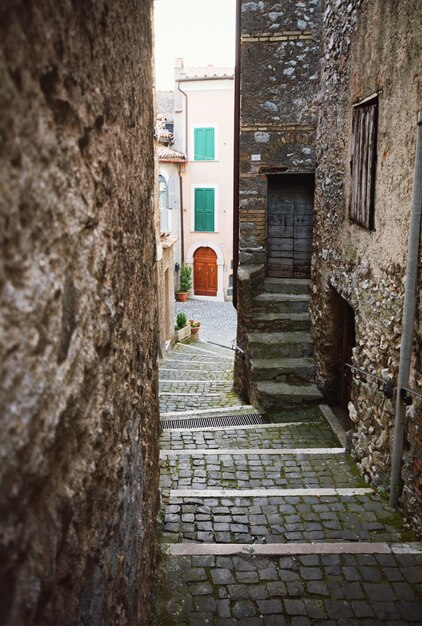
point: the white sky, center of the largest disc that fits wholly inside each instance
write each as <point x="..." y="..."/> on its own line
<point x="202" y="32"/>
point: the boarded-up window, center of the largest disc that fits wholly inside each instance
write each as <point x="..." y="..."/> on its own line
<point x="364" y="155"/>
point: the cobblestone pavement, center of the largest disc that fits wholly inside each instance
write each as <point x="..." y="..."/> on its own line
<point x="197" y="376"/>
<point x="270" y="524"/>
<point x="218" y="319"/>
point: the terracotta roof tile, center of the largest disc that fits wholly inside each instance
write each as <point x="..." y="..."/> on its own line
<point x="166" y="154"/>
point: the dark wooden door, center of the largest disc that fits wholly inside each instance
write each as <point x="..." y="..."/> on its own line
<point x="205" y="281"/>
<point x="348" y="343"/>
<point x="290" y="219"/>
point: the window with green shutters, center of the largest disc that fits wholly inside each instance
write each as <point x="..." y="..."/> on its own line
<point x="204" y="209"/>
<point x="204" y="144"/>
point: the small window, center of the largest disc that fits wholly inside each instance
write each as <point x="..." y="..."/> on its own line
<point x="205" y="209"/>
<point x="363" y="163"/>
<point x="204" y="144"/>
<point x="164" y="209"/>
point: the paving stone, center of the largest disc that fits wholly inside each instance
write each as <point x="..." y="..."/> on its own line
<point x="238" y="592"/>
<point x="257" y="592"/>
<point x="294" y="607"/>
<point x="268" y="573"/>
<point x="318" y="588"/>
<point x="203" y="561"/>
<point x="314" y="609"/>
<point x="362" y="608"/>
<point x="247" y="577"/>
<point x="276" y="589"/>
<point x="269" y="607"/>
<point x="223" y="608"/>
<point x="300" y="621"/>
<point x="244" y="608"/>
<point x="411" y="611"/>
<point x="205" y="603"/>
<point x="194" y="574"/>
<point x="222" y="576"/>
<point x="310" y="573"/>
<point x="295" y="590"/>
<point x="201" y="589"/>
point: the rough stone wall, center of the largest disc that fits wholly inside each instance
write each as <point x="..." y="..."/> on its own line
<point x="279" y="79"/>
<point x="78" y="349"/>
<point x="280" y="44"/>
<point x="166" y="300"/>
<point x="368" y="47"/>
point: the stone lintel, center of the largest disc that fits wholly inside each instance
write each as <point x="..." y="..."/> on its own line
<point x="281" y="127"/>
<point x="288" y="35"/>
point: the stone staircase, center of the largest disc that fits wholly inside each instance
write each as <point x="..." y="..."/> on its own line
<point x="280" y="350"/>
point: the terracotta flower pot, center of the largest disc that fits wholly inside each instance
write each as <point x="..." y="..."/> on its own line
<point x="182" y="296"/>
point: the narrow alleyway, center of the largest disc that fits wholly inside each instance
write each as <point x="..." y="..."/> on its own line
<point x="269" y="524"/>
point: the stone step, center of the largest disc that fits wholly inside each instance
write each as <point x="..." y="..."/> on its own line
<point x="280" y="345"/>
<point x="282" y="519"/>
<point x="283" y="370"/>
<point x="316" y="434"/>
<point x="310" y="586"/>
<point x="171" y="373"/>
<point x="280" y="322"/>
<point x="273" y="302"/>
<point x="272" y="396"/>
<point x="287" y="285"/>
<point x="241" y="470"/>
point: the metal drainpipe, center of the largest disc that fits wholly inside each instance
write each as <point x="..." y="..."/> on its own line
<point x="409" y="311"/>
<point x="182" y="232"/>
<point x="236" y="147"/>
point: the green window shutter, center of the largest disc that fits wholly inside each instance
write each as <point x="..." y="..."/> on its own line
<point x="204" y="210"/>
<point x="204" y="149"/>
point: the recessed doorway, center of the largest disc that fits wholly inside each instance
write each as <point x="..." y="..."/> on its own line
<point x="205" y="275"/>
<point x="290" y="218"/>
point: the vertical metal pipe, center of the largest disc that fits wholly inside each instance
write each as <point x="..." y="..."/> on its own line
<point x="236" y="148"/>
<point x="409" y="311"/>
<point x="182" y="226"/>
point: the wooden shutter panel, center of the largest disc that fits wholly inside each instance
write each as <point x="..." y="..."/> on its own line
<point x="209" y="210"/>
<point x="172" y="192"/>
<point x="209" y="143"/>
<point x="204" y="149"/>
<point x="204" y="210"/>
<point x="364" y="135"/>
<point x="199" y="209"/>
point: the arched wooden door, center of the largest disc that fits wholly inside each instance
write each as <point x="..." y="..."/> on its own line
<point x="205" y="281"/>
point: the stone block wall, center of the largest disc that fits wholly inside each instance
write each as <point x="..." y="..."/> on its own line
<point x="278" y="85"/>
<point x="78" y="349"/>
<point x="279" y="77"/>
<point x="369" y="47"/>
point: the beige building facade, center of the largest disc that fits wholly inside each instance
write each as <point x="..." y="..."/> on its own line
<point x="203" y="130"/>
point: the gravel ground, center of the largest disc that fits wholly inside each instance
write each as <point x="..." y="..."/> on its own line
<point x="218" y="319"/>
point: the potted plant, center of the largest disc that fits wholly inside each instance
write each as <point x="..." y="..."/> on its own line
<point x="182" y="328"/>
<point x="185" y="283"/>
<point x="194" y="327"/>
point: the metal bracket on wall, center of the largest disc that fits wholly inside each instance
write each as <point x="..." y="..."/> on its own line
<point x="406" y="394"/>
<point x="387" y="388"/>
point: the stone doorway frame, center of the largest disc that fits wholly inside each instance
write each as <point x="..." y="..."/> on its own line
<point x="220" y="268"/>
